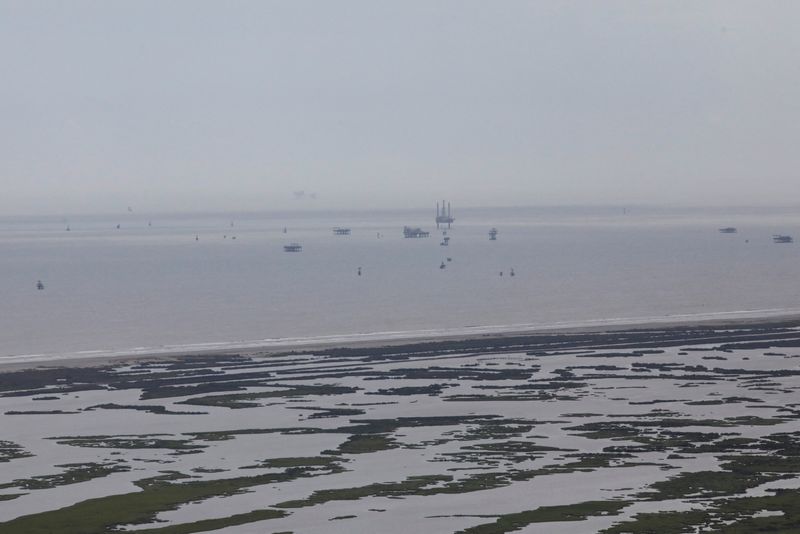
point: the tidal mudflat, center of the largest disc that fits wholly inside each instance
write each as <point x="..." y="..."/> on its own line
<point x="662" y="429"/>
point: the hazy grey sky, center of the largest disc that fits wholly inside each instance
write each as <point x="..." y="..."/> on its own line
<point x="200" y="105"/>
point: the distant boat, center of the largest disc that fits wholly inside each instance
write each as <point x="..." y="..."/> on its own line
<point x="778" y="238"/>
<point x="445" y="241"/>
<point x="293" y="247"/>
<point x="409" y="232"/>
<point x="442" y="266"/>
<point x="39" y="285"/>
<point x="338" y="230"/>
<point x="728" y="230"/>
<point x="493" y="234"/>
<point x="511" y="273"/>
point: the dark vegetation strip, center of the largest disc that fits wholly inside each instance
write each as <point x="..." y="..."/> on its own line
<point x="101" y="515"/>
<point x="177" y="377"/>
<point x="546" y="514"/>
<point x="207" y="525"/>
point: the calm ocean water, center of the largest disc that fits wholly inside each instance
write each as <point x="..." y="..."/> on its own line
<point x="153" y="287"/>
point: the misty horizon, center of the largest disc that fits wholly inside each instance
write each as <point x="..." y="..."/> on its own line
<point x="191" y="107"/>
<point x="311" y="211"/>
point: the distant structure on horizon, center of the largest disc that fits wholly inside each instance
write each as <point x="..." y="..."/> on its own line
<point x="412" y="233"/>
<point x="443" y="217"/>
<point x="779" y="238"/>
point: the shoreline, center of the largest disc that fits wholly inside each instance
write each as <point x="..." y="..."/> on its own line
<point x="493" y="335"/>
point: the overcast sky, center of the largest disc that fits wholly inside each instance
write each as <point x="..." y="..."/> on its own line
<point x="200" y="105"/>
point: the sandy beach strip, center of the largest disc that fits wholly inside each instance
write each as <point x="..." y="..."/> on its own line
<point x="484" y="338"/>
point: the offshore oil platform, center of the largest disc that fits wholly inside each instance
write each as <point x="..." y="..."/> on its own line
<point x="444" y="217"/>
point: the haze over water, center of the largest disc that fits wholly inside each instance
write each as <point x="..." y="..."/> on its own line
<point x="146" y="287"/>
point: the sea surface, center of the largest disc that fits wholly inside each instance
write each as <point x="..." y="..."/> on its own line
<point x="182" y="282"/>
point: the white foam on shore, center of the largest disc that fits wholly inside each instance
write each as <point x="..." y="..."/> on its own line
<point x="287" y="343"/>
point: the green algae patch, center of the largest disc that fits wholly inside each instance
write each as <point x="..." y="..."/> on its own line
<point x="744" y="515"/>
<point x="754" y="465"/>
<point x="250" y="400"/>
<point x="366" y="443"/>
<point x="178" y="446"/>
<point x="546" y="514"/>
<point x="410" y="486"/>
<point x="12" y="451"/>
<point x="72" y="474"/>
<point x="207" y="525"/>
<point x="298" y="461"/>
<point x="671" y="522"/>
<point x="706" y="484"/>
<point x="159" y="494"/>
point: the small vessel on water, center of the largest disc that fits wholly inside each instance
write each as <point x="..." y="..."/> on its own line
<point x="412" y="233"/>
<point x="445" y="241"/>
<point x="778" y="238"/>
<point x="493" y="234"/>
<point x="338" y="230"/>
<point x="293" y="247"/>
<point x="511" y="273"/>
<point x="39" y="285"/>
<point x="442" y="266"/>
<point x="728" y="230"/>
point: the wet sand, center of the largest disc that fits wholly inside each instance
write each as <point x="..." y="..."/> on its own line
<point x="444" y="342"/>
<point x="648" y="428"/>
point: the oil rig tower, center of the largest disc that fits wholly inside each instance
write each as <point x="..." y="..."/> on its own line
<point x="443" y="217"/>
